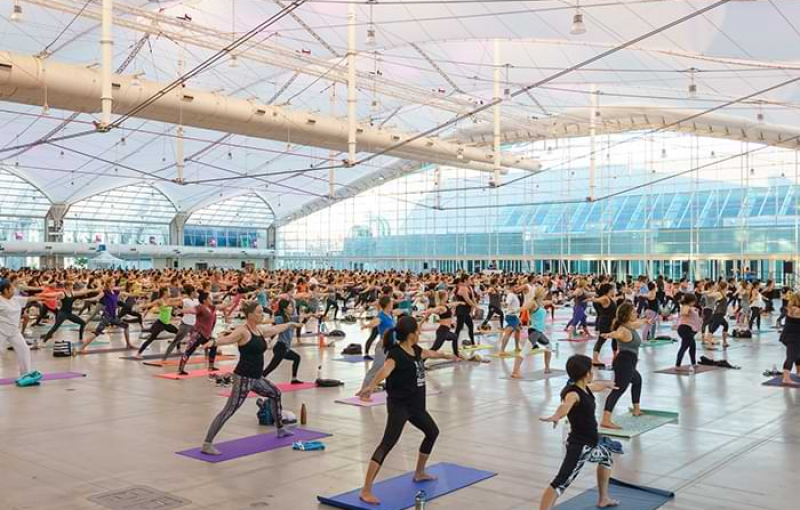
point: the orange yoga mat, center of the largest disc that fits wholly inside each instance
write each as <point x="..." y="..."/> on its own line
<point x="195" y="374"/>
<point x="196" y="360"/>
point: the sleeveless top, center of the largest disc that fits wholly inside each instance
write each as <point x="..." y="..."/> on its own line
<point x="66" y="303"/>
<point x="582" y="419"/>
<point x="633" y="345"/>
<point x="447" y="314"/>
<point x="605" y="316"/>
<point x="463" y="309"/>
<point x="251" y="357"/>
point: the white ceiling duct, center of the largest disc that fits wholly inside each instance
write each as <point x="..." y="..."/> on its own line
<point x="76" y="88"/>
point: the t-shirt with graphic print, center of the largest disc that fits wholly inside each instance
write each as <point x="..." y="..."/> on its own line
<point x="406" y="384"/>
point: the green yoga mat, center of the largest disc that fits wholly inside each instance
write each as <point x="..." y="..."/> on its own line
<point x="633" y="426"/>
<point x="658" y="343"/>
<point x="718" y="347"/>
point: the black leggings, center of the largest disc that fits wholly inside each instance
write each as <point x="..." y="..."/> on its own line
<point x="124" y="312"/>
<point x="44" y="310"/>
<point x="604" y="326"/>
<point x="625" y="374"/>
<point x="687" y="343"/>
<point x="195" y="341"/>
<point x="755" y="316"/>
<point x="717" y="320"/>
<point x="492" y="311"/>
<point x="443" y="334"/>
<point x="372" y="336"/>
<point x="461" y="320"/>
<point x="279" y="353"/>
<point x="792" y="354"/>
<point x="156" y="329"/>
<point x="328" y="306"/>
<point x="399" y="414"/>
<point x="61" y="317"/>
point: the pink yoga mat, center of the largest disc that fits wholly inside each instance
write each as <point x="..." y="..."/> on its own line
<point x="284" y="387"/>
<point x="378" y="399"/>
<point x="47" y="377"/>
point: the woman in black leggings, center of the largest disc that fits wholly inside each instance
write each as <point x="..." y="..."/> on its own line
<point x="283" y="347"/>
<point x="404" y="372"/>
<point x="66" y="311"/>
<point x="605" y="307"/>
<point x="790" y="337"/>
<point x="689" y="324"/>
<point x="445" y="313"/>
<point x="625" y="374"/>
<point x="464" y="310"/>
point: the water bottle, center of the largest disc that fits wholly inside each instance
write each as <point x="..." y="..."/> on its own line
<point x="419" y="501"/>
<point x="303" y="414"/>
<point x="557" y="344"/>
<point x="319" y="372"/>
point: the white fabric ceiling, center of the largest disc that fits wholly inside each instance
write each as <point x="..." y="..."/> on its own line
<point x="736" y="49"/>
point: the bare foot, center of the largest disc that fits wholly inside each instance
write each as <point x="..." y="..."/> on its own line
<point x="787" y="381"/>
<point x="515" y="375"/>
<point x="369" y="498"/>
<point x="547" y="370"/>
<point x="610" y="425"/>
<point x="607" y="502"/>
<point x="424" y="477"/>
<point x="636" y="413"/>
<point x="365" y="398"/>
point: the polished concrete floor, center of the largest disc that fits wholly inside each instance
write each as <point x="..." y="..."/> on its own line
<point x="736" y="446"/>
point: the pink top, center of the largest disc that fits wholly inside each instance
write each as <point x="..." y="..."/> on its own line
<point x="693" y="320"/>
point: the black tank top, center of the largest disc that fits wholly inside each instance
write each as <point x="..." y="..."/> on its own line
<point x="605" y="316"/>
<point x="463" y="309"/>
<point x="582" y="420"/>
<point x="251" y="357"/>
<point x="652" y="304"/>
<point x="66" y="303"/>
<point x="447" y="314"/>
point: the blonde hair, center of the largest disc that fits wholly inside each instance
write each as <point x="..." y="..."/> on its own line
<point x="793" y="298"/>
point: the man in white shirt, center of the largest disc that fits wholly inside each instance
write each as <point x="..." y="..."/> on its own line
<point x="10" y="314"/>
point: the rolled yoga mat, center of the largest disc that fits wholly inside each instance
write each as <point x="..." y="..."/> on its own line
<point x="399" y="492"/>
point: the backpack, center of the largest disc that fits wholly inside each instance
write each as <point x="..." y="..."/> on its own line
<point x="328" y="383"/>
<point x="264" y="414"/>
<point x="62" y="349"/>
<point x="352" y="349"/>
<point x="337" y="333"/>
<point x="30" y="379"/>
<point x="742" y="333"/>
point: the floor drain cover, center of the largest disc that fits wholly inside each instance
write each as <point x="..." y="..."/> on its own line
<point x="139" y="498"/>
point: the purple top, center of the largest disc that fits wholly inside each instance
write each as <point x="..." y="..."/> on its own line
<point x="110" y="301"/>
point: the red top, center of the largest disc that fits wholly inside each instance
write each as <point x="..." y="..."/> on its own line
<point x="206" y="320"/>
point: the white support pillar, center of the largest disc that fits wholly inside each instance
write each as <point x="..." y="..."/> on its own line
<point x="352" y="100"/>
<point x="437" y="182"/>
<point x="593" y="114"/>
<point x="332" y="153"/>
<point x="107" y="47"/>
<point x="176" y="228"/>
<point x="497" y="98"/>
<point x="179" y="160"/>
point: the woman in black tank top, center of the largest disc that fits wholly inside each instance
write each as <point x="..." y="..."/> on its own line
<point x="66" y="312"/>
<point x="606" y="307"/>
<point x="251" y="339"/>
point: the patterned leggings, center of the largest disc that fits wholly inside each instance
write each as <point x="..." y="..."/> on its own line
<point x="242" y="386"/>
<point x="576" y="457"/>
<point x="195" y="341"/>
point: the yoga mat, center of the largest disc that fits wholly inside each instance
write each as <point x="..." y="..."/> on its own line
<point x="539" y="375"/>
<point x="195" y="360"/>
<point x="147" y="357"/>
<point x="482" y="347"/>
<point x="718" y="347"/>
<point x="776" y="381"/>
<point x="630" y="497"/>
<point x="511" y="355"/>
<point x="399" y="492"/>
<point x="658" y="343"/>
<point x="55" y="376"/>
<point x="105" y="350"/>
<point x="352" y="358"/>
<point x="284" y="387"/>
<point x="254" y="444"/>
<point x="194" y="374"/>
<point x="698" y="369"/>
<point x="378" y="399"/>
<point x="576" y="339"/>
<point x="633" y="426"/>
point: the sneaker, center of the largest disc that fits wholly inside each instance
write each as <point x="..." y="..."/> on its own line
<point x="297" y="381"/>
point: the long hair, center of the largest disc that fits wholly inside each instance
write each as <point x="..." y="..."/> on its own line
<point x="405" y="327"/>
<point x="283" y="304"/>
<point x="624" y="314"/>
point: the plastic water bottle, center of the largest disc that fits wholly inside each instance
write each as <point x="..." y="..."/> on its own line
<point x="419" y="501"/>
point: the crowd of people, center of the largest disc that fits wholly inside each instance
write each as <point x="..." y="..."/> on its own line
<point x="258" y="309"/>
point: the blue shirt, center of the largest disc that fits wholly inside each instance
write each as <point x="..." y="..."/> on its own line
<point x="539" y="319"/>
<point x="287" y="336"/>
<point x="385" y="323"/>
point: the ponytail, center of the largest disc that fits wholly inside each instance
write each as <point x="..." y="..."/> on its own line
<point x="405" y="327"/>
<point x="389" y="338"/>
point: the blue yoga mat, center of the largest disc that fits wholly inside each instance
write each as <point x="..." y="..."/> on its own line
<point x="778" y="381"/>
<point x="351" y="358"/>
<point x="630" y="497"/>
<point x="399" y="492"/>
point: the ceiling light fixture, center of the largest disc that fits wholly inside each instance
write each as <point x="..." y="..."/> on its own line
<point x="372" y="31"/>
<point x="578" y="27"/>
<point x="16" y="12"/>
<point x="692" y="84"/>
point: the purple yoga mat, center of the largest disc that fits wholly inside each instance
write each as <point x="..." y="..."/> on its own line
<point x="46" y="377"/>
<point x="254" y="444"/>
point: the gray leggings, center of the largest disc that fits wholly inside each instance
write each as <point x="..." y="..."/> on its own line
<point x="183" y="330"/>
<point x="242" y="386"/>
